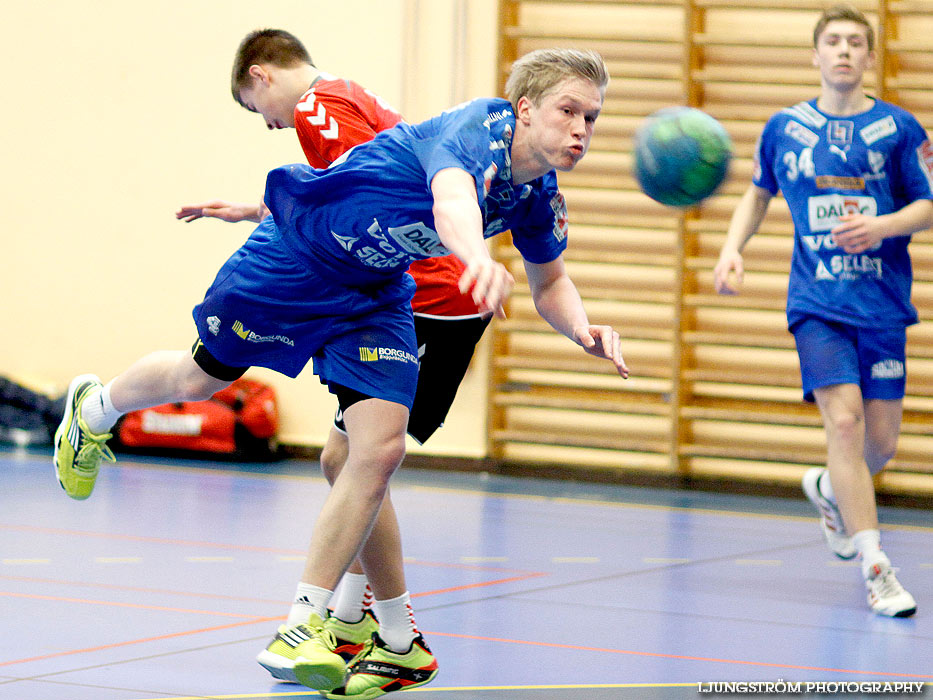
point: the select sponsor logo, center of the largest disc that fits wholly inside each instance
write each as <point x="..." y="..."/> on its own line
<point x="370" y="354"/>
<point x="213" y="324"/>
<point x="251" y="337"/>
<point x="824" y="211"/>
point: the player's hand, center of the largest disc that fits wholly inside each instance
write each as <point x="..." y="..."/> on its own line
<point x="729" y="261"/>
<point x="602" y="341"/>
<point x="857" y="233"/>
<point x="219" y="209"/>
<point x="490" y="282"/>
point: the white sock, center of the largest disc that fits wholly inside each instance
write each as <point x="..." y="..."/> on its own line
<point x="353" y="598"/>
<point x="308" y="600"/>
<point x="98" y="412"/>
<point x="868" y="544"/>
<point x="396" y="622"/>
<point x="825" y="486"/>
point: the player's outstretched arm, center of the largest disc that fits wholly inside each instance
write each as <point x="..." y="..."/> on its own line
<point x="558" y="301"/>
<point x="744" y="224"/>
<point x="459" y="225"/>
<point x="221" y="209"/>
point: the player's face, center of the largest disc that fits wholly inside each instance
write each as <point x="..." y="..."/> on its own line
<point x="842" y="54"/>
<point x="561" y="126"/>
<point x="268" y="99"/>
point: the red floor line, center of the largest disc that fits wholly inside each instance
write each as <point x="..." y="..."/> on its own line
<point x="115" y="604"/>
<point x="130" y="642"/>
<point x="140" y="589"/>
<point x="481" y="584"/>
<point x="627" y="652"/>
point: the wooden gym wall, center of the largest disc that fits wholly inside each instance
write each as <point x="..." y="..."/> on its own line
<point x="715" y="390"/>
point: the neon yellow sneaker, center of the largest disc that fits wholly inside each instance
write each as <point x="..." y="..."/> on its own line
<point x="377" y="670"/>
<point x="352" y="636"/>
<point x="314" y="646"/>
<point x="316" y="663"/>
<point x="78" y="451"/>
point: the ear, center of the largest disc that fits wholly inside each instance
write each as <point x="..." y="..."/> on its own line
<point x="815" y="58"/>
<point x="523" y="110"/>
<point x="259" y="73"/>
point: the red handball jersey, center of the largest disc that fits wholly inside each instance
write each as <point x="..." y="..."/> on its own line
<point x="332" y="117"/>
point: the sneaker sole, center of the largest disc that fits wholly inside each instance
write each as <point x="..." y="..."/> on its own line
<point x="900" y="613"/>
<point x="271" y="662"/>
<point x="371" y="693"/>
<point x="67" y="418"/>
<point x="319" y="677"/>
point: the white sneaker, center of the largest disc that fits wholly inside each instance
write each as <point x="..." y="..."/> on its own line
<point x="886" y="596"/>
<point x="834" y="530"/>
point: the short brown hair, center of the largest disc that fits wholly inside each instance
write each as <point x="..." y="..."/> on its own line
<point x="844" y="12"/>
<point x="537" y="73"/>
<point x="271" y="46"/>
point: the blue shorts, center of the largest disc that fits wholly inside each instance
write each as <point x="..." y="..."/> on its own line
<point x="267" y="309"/>
<point x="837" y="353"/>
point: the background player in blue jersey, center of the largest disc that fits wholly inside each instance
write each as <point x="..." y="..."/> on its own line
<point x="857" y="174"/>
<point x="324" y="279"/>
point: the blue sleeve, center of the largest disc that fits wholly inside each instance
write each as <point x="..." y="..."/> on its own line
<point x="914" y="163"/>
<point x="460" y="140"/>
<point x="542" y="235"/>
<point x="763" y="174"/>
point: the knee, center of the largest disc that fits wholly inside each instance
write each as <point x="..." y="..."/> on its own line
<point x="332" y="461"/>
<point x="383" y="460"/>
<point x="845" y="425"/>
<point x="198" y="386"/>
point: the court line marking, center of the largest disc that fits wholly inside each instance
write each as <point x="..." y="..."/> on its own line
<point x="254" y="619"/>
<point x="647" y="506"/>
<point x="450" y="489"/>
<point x="225" y="545"/>
<point x="117" y="604"/>
<point x="679" y="657"/>
<point x="116" y="645"/>
<point x="452" y="689"/>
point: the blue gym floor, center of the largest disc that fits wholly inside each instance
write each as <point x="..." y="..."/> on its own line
<point x="170" y="579"/>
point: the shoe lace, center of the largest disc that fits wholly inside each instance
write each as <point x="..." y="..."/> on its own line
<point x="886" y="585"/>
<point x="93" y="449"/>
<point x="367" y="649"/>
<point x="323" y="635"/>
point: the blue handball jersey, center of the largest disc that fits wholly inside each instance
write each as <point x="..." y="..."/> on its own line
<point x="368" y="215"/>
<point x="875" y="163"/>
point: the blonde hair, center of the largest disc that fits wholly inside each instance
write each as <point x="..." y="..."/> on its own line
<point x="537" y="73"/>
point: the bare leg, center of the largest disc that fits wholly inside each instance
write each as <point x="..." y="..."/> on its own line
<point x="383" y="549"/>
<point x="376" y="431"/>
<point x="163" y="377"/>
<point x="882" y="428"/>
<point x="844" y="420"/>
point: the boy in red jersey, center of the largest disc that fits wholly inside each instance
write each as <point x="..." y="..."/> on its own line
<point x="274" y="76"/>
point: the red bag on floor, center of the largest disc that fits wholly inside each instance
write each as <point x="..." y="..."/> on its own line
<point x="240" y="422"/>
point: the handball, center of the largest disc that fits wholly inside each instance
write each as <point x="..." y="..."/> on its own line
<point x="681" y="156"/>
